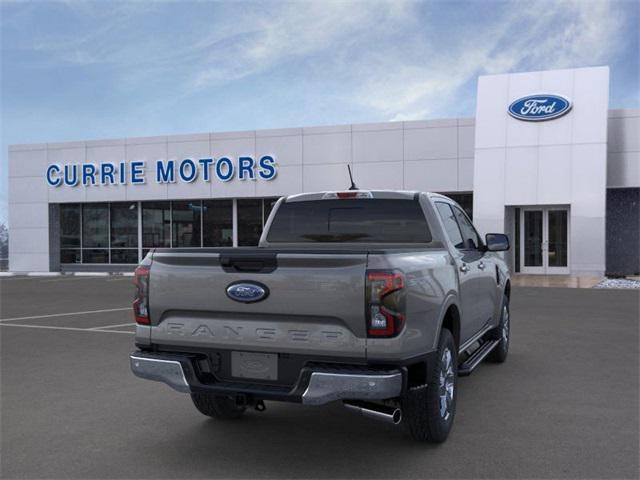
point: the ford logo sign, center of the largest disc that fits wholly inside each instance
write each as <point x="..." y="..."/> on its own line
<point x="536" y="108"/>
<point x="247" y="292"/>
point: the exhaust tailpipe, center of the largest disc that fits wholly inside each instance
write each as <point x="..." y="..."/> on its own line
<point x="379" y="412"/>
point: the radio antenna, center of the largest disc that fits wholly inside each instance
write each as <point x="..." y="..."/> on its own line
<point x="353" y="185"/>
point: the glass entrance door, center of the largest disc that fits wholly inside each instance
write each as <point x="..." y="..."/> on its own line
<point x="532" y="251"/>
<point x="544" y="242"/>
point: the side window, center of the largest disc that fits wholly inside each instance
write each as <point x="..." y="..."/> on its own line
<point x="450" y="224"/>
<point x="469" y="235"/>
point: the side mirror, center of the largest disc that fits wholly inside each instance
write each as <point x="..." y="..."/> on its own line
<point x="496" y="242"/>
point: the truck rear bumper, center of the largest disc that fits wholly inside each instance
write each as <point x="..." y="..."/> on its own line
<point x="326" y="387"/>
<point x="161" y="370"/>
<point x="315" y="386"/>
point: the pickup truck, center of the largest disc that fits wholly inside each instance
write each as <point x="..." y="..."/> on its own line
<point x="378" y="299"/>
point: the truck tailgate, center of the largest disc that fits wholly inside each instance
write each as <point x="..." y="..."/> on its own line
<point x="315" y="301"/>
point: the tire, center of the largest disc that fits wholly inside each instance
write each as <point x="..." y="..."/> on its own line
<point x="216" y="406"/>
<point x="503" y="332"/>
<point x="422" y="414"/>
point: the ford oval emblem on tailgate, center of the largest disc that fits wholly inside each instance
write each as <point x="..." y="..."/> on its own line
<point x="247" y="292"/>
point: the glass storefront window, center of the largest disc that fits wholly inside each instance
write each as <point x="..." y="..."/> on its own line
<point x="95" y="255"/>
<point x="217" y="223"/>
<point x="156" y="224"/>
<point x="124" y="225"/>
<point x="186" y="223"/>
<point x="95" y="225"/>
<point x="126" y="255"/>
<point x="108" y="232"/>
<point x="70" y="255"/>
<point x="249" y="221"/>
<point x="69" y="226"/>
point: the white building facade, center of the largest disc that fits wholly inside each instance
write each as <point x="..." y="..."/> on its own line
<point x="544" y="160"/>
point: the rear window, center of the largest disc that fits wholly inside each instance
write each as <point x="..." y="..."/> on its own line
<point x="353" y="220"/>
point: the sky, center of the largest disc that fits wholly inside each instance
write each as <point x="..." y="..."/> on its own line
<point x="74" y="70"/>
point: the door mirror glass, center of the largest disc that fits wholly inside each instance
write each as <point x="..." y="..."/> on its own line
<point x="497" y="242"/>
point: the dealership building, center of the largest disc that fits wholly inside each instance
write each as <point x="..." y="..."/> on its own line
<point x="544" y="160"/>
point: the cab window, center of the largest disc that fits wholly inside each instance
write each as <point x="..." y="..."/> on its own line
<point x="450" y="224"/>
<point x="470" y="237"/>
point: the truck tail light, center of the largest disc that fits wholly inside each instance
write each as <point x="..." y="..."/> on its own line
<point x="385" y="307"/>
<point x="141" y="299"/>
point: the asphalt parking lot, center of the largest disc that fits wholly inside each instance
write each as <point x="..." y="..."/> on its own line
<point x="564" y="405"/>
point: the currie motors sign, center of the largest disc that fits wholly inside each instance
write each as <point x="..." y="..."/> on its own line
<point x="137" y="172"/>
<point x="536" y="108"/>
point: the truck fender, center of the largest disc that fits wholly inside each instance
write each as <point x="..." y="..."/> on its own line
<point x="450" y="299"/>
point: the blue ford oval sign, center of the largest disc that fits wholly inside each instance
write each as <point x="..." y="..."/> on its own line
<point x="536" y="108"/>
<point x="247" y="292"/>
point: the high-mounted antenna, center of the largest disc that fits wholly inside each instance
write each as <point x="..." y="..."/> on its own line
<point x="353" y="185"/>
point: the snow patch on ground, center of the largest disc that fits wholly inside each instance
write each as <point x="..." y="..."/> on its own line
<point x="618" y="283"/>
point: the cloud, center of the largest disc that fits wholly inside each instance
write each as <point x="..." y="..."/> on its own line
<point x="538" y="36"/>
<point x="290" y="31"/>
<point x="393" y="58"/>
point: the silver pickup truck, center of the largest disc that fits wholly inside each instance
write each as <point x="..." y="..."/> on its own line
<point x="378" y="299"/>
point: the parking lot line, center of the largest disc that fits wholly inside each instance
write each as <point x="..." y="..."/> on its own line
<point x="113" y="326"/>
<point x="88" y="312"/>
<point x="74" y="329"/>
<point x="70" y="279"/>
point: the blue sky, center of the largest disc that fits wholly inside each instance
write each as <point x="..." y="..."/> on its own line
<point x="83" y="70"/>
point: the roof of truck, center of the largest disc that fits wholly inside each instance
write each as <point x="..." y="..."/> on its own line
<point x="389" y="194"/>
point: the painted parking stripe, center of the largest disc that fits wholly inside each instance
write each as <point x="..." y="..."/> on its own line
<point x="113" y="326"/>
<point x="88" y="312"/>
<point x="70" y="279"/>
<point x="73" y="329"/>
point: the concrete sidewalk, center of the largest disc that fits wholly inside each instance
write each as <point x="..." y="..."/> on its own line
<point x="556" y="281"/>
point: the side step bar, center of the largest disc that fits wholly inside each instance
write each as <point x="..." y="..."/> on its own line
<point x="476" y="357"/>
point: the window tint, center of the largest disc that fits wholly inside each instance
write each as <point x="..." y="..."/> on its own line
<point x="249" y="222"/>
<point x="469" y="235"/>
<point x="95" y="225"/>
<point x="124" y="225"/>
<point x="450" y="224"/>
<point x="156" y="224"/>
<point x="217" y="223"/>
<point x="94" y="255"/>
<point x="185" y="217"/>
<point x="352" y="220"/>
<point x="70" y="226"/>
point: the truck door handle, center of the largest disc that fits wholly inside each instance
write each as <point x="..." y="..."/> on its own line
<point x="464" y="268"/>
<point x="482" y="266"/>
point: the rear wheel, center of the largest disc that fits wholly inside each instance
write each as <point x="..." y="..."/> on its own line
<point x="217" y="406"/>
<point x="428" y="412"/>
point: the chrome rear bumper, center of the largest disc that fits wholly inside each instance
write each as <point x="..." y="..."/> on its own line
<point x="321" y="386"/>
<point x="326" y="387"/>
<point x="160" y="370"/>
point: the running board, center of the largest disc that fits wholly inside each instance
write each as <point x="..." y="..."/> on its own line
<point x="474" y="360"/>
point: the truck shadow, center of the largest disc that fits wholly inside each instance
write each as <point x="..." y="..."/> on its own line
<point x="294" y="441"/>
